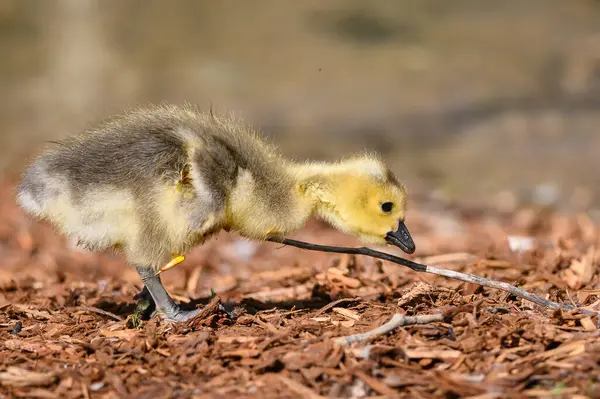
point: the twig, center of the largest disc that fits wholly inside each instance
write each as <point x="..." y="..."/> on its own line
<point x="398" y="320"/>
<point x="334" y="304"/>
<point x="417" y="267"/>
<point x="99" y="311"/>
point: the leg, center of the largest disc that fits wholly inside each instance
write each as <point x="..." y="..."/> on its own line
<point x="164" y="303"/>
<point x="144" y="294"/>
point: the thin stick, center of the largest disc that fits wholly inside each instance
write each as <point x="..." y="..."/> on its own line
<point x="417" y="267"/>
<point x="398" y="320"/>
<point x="99" y="311"/>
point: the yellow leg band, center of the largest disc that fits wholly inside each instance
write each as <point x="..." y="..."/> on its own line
<point x="174" y="262"/>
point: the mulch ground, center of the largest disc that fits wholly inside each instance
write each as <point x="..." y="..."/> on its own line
<point x="70" y="328"/>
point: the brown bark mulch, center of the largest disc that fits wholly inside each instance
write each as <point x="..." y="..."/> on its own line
<point x="70" y="328"/>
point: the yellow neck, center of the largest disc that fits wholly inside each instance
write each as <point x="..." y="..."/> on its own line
<point x="259" y="212"/>
<point x="303" y="190"/>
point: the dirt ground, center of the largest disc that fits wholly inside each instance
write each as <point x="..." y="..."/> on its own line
<point x="69" y="327"/>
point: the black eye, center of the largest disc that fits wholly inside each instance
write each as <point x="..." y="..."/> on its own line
<point x="387" y="206"/>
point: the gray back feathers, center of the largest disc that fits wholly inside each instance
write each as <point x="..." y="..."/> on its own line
<point x="105" y="185"/>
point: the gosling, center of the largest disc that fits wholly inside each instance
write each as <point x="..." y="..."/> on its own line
<point x="156" y="181"/>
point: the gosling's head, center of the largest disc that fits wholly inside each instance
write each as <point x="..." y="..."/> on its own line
<point x="362" y="197"/>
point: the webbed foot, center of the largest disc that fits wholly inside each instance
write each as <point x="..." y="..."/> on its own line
<point x="165" y="305"/>
<point x="180" y="315"/>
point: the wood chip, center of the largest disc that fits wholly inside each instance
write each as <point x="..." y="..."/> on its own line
<point x="18" y="377"/>
<point x="309" y="339"/>
<point x="463" y="257"/>
<point x="561" y="365"/>
<point x="343" y="323"/>
<point x="192" y="283"/>
<point x="242" y="353"/>
<point x="542" y="393"/>
<point x="180" y="298"/>
<point x="582" y="269"/>
<point x="334" y="304"/>
<point x="239" y="339"/>
<point x="85" y="392"/>
<point x="121" y="334"/>
<point x="32" y="313"/>
<point x="299" y="389"/>
<point x="588" y="324"/>
<point x="375" y="384"/>
<point x="163" y="352"/>
<point x="267" y="326"/>
<point x="282" y="293"/>
<point x="336" y="271"/>
<point x="565" y="350"/>
<point x="118" y="384"/>
<point x="351" y="314"/>
<point x="40" y="348"/>
<point x="346" y="281"/>
<point x="432" y="354"/>
<point x="281" y="274"/>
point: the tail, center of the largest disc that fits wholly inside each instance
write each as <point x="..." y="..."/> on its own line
<point x="28" y="202"/>
<point x="31" y="191"/>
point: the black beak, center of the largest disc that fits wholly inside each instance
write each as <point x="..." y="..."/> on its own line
<point x="401" y="238"/>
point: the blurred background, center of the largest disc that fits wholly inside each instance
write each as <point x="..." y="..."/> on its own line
<point x="489" y="102"/>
